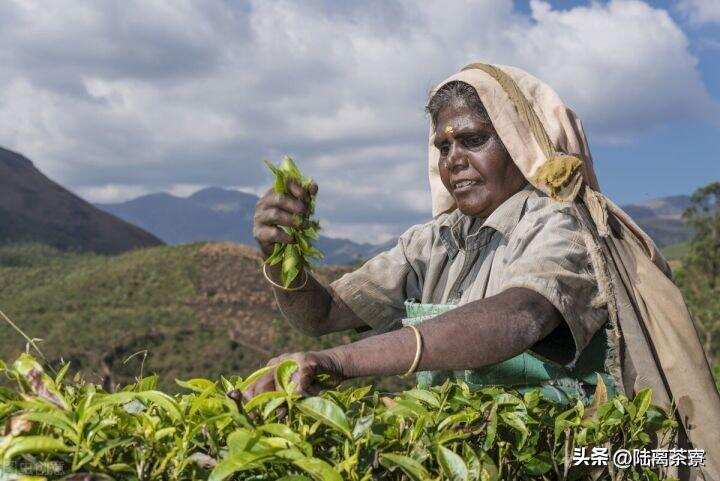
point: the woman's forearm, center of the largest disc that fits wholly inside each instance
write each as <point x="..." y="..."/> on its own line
<point x="312" y="309"/>
<point x="473" y="335"/>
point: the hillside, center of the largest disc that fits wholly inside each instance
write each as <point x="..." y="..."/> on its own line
<point x="198" y="310"/>
<point x="662" y="218"/>
<point x="33" y="208"/>
<point x="216" y="214"/>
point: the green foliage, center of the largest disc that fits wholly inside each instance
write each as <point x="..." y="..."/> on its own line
<point x="448" y="432"/>
<point x="93" y="309"/>
<point x="179" y="311"/>
<point x="294" y="257"/>
<point x="699" y="275"/>
<point x="676" y="252"/>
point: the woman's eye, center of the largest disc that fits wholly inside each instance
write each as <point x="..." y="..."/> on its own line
<point x="476" y="140"/>
<point x="444" y="150"/>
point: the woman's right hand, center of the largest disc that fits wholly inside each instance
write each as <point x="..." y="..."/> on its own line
<point x="275" y="210"/>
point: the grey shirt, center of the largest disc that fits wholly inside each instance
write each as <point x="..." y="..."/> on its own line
<point x="529" y="241"/>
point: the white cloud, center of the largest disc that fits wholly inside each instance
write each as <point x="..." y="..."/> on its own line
<point x="185" y="190"/>
<point x="361" y="232"/>
<point x="624" y="66"/>
<point x="111" y="193"/>
<point x="701" y="11"/>
<point x="145" y="95"/>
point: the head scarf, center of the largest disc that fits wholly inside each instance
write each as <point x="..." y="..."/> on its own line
<point x="547" y="143"/>
<point x="543" y="136"/>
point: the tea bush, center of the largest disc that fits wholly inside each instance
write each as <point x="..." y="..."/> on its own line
<point x="55" y="427"/>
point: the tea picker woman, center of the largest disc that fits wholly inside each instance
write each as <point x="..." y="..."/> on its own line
<point x="527" y="276"/>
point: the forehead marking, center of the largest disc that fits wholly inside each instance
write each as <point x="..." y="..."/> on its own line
<point x="448" y="129"/>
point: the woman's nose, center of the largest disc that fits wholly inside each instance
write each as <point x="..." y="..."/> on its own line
<point x="457" y="158"/>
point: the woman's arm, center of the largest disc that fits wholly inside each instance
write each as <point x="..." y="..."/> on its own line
<point x="312" y="309"/>
<point x="470" y="336"/>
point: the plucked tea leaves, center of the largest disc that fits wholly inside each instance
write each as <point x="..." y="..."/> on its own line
<point x="297" y="256"/>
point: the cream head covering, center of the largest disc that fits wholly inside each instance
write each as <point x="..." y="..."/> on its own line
<point x="546" y="141"/>
<point x="542" y="135"/>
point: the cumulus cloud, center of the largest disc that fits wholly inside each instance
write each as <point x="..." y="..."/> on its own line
<point x="116" y="98"/>
<point x="701" y="11"/>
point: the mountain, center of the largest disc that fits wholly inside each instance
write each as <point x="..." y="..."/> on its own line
<point x="216" y="214"/>
<point x="200" y="217"/>
<point x="662" y="218"/>
<point x="33" y="208"/>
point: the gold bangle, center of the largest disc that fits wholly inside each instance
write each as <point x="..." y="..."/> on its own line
<point x="416" y="361"/>
<point x="275" y="284"/>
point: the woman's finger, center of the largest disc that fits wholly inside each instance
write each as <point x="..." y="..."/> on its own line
<point x="268" y="234"/>
<point x="286" y="203"/>
<point x="302" y="193"/>
<point x="305" y="379"/>
<point x="297" y="190"/>
<point x="281" y="413"/>
<point x="247" y="394"/>
<point x="236" y="396"/>
<point x="264" y="384"/>
<point x="313" y="389"/>
<point x="277" y="217"/>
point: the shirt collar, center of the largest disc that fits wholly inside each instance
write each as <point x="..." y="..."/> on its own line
<point x="462" y="231"/>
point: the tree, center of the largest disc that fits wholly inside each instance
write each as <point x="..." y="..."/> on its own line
<point x="699" y="277"/>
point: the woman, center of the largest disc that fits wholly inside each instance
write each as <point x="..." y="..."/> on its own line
<point x="526" y="277"/>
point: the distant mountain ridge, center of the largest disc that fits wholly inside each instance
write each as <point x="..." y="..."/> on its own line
<point x="662" y="218"/>
<point x="209" y="214"/>
<point x="217" y="214"/>
<point x="33" y="208"/>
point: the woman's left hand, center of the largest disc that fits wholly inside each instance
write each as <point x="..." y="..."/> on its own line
<point x="310" y="365"/>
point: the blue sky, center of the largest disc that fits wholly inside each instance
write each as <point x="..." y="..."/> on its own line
<point x="122" y="98"/>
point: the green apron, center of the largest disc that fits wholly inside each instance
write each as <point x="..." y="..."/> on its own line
<point x="525" y="371"/>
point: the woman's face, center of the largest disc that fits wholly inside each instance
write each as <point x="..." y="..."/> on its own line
<point x="474" y="164"/>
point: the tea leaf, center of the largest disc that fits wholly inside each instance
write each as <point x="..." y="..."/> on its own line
<point x="642" y="402"/>
<point x="327" y="412"/>
<point x="409" y="466"/>
<point x="452" y="465"/>
<point x="283" y="374"/>
<point x="32" y="444"/>
<point x="318" y="469"/>
<point x="262" y="398"/>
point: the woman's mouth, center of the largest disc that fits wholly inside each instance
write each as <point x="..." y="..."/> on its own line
<point x="464" y="185"/>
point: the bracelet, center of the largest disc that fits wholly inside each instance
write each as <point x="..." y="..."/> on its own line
<point x="275" y="284"/>
<point x="416" y="361"/>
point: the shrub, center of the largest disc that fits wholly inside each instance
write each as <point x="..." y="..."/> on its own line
<point x="447" y="432"/>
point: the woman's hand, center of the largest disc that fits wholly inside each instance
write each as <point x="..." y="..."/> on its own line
<point x="275" y="210"/>
<point x="310" y="365"/>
